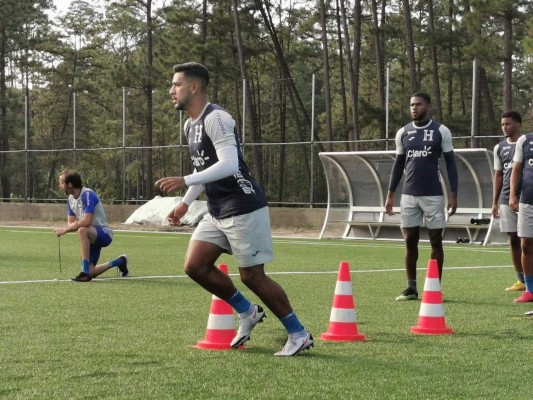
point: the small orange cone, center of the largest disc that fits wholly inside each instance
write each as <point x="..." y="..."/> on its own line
<point x="342" y="320"/>
<point x="431" y="318"/>
<point x="220" y="325"/>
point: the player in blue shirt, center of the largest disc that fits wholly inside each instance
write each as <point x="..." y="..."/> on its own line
<point x="522" y="202"/>
<point x="503" y="163"/>
<point x="419" y="146"/>
<point x="87" y="217"/>
<point x="238" y="220"/>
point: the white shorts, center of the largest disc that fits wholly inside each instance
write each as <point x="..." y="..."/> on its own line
<point x="246" y="236"/>
<point x="508" y="219"/>
<point x="525" y="220"/>
<point x="416" y="209"/>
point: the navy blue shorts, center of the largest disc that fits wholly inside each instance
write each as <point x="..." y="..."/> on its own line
<point x="103" y="239"/>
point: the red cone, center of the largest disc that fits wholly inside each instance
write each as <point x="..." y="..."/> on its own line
<point x="220" y="325"/>
<point x="342" y="320"/>
<point x="431" y="318"/>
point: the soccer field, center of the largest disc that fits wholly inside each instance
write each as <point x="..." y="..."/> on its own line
<point x="132" y="338"/>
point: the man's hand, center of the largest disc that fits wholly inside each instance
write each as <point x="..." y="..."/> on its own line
<point x="175" y="216"/>
<point x="171" y="183"/>
<point x="389" y="203"/>
<point x="60" y="231"/>
<point x="495" y="211"/>
<point x="513" y="202"/>
<point x="452" y="204"/>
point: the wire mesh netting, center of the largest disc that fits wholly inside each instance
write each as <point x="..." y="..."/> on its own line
<point x="290" y="173"/>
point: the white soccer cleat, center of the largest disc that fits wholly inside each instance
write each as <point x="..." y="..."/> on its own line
<point x="296" y="345"/>
<point x="246" y="325"/>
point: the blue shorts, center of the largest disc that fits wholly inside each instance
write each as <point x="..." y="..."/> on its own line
<point x="103" y="239"/>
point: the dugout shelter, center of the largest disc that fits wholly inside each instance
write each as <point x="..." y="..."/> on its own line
<point x="357" y="189"/>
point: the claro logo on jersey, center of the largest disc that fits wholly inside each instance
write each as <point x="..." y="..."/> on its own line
<point x="419" y="153"/>
<point x="244" y="184"/>
<point x="530" y="162"/>
<point x="199" y="159"/>
<point x="507" y="165"/>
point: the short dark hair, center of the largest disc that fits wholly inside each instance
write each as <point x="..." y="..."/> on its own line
<point x="194" y="70"/>
<point x="513" y="115"/>
<point x="73" y="178"/>
<point x="425" y="96"/>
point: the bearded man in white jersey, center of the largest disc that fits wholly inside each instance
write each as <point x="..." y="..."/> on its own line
<point x="86" y="217"/>
<point x="419" y="146"/>
<point x="237" y="221"/>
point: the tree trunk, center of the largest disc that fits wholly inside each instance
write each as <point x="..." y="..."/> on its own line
<point x="353" y="64"/>
<point x="203" y="30"/>
<point x="149" y="176"/>
<point x="434" y="62"/>
<point x="282" y="173"/>
<point x="380" y="70"/>
<point x="326" y="71"/>
<point x="250" y="109"/>
<point x="5" y="189"/>
<point x="487" y="102"/>
<point x="449" y="60"/>
<point x="303" y="126"/>
<point x="342" y="82"/>
<point x="410" y="46"/>
<point x="507" y="61"/>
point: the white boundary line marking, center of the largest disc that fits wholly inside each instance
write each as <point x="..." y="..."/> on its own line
<point x="289" y="240"/>
<point x="155" y="277"/>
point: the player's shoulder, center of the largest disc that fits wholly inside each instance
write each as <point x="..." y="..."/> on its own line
<point x="522" y="139"/>
<point x="215" y="111"/>
<point x="88" y="193"/>
<point x="443" y="129"/>
<point x="527" y="136"/>
<point x="403" y="130"/>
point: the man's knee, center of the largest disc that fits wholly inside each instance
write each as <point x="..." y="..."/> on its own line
<point x="435" y="238"/>
<point x="252" y="276"/>
<point x="514" y="240"/>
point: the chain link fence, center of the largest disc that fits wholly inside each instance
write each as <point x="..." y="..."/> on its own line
<point x="290" y="173"/>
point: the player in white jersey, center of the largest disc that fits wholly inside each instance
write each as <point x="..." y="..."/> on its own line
<point x="238" y="221"/>
<point x="503" y="163"/>
<point x="87" y="217"/>
<point x="419" y="146"/>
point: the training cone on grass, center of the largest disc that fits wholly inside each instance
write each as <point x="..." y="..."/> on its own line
<point x="431" y="318"/>
<point x="220" y="325"/>
<point x="342" y="320"/>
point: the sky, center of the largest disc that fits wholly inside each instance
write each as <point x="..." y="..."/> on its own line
<point x="62" y="5"/>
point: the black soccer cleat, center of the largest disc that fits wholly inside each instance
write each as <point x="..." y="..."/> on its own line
<point x="82" y="277"/>
<point x="123" y="266"/>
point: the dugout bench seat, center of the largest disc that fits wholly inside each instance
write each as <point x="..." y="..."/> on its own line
<point x="358" y="184"/>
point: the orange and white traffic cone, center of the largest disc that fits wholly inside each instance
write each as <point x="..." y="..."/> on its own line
<point x="431" y="318"/>
<point x="342" y="320"/>
<point x="220" y="324"/>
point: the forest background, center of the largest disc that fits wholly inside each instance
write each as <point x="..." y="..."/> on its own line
<point x="89" y="90"/>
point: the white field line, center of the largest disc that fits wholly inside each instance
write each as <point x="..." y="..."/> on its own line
<point x="363" y="271"/>
<point x="282" y="240"/>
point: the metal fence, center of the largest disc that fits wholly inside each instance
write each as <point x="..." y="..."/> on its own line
<point x="290" y="173"/>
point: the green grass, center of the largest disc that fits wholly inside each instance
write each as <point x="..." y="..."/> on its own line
<point x="132" y="338"/>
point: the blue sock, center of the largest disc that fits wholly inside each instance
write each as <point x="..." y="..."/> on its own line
<point x="85" y="267"/>
<point x="116" y="262"/>
<point x="240" y="303"/>
<point x="529" y="282"/>
<point x="292" y="323"/>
